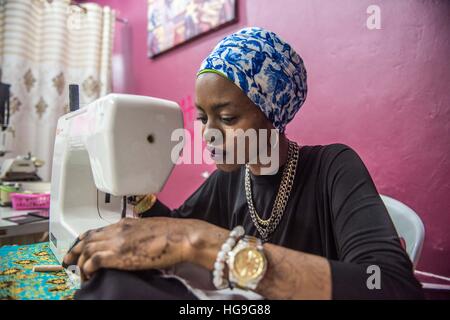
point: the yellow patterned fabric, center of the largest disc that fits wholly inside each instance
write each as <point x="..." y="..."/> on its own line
<point x="19" y="281"/>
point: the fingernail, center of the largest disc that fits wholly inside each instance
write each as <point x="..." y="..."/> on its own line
<point x="74" y="243"/>
<point x="65" y="265"/>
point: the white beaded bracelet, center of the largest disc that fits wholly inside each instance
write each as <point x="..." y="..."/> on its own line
<point x="218" y="279"/>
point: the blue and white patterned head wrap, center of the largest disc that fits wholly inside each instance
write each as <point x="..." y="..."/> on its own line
<point x="266" y="69"/>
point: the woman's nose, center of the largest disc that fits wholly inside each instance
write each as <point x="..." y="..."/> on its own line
<point x="210" y="135"/>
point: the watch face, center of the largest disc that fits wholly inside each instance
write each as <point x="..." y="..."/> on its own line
<point x="248" y="264"/>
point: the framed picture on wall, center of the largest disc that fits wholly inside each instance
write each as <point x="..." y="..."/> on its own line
<point x="174" y="22"/>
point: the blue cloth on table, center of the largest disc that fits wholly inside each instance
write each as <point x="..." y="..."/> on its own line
<point x="18" y="281"/>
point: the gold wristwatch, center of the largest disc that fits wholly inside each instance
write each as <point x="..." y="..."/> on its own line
<point x="142" y="203"/>
<point x="247" y="263"/>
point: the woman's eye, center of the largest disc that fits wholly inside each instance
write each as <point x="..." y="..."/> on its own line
<point x="228" y="120"/>
<point x="203" y="119"/>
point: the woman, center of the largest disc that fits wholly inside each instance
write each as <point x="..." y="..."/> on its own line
<point x="320" y="220"/>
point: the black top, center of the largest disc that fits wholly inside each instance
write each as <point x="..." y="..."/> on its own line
<point x="334" y="211"/>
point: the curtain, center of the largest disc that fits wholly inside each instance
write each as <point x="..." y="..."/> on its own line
<point x="45" y="45"/>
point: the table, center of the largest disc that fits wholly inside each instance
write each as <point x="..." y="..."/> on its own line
<point x="10" y="229"/>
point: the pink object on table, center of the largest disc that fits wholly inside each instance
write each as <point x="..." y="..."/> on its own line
<point x="25" y="201"/>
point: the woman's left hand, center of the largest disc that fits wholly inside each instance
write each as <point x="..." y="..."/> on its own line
<point x="138" y="244"/>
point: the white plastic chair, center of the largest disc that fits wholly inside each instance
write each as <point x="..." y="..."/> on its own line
<point x="409" y="226"/>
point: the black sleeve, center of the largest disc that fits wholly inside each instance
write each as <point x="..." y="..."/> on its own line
<point x="159" y="209"/>
<point x="206" y="203"/>
<point x="364" y="234"/>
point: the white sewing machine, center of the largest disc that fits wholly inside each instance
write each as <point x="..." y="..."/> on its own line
<point x="119" y="145"/>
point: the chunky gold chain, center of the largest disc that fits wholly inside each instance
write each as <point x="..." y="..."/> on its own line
<point x="266" y="227"/>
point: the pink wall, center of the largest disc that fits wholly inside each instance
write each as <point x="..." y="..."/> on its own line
<point x="383" y="92"/>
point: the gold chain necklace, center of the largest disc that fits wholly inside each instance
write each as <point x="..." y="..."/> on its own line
<point x="266" y="227"/>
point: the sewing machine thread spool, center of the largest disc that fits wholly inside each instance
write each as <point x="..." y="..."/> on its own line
<point x="47" y="268"/>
